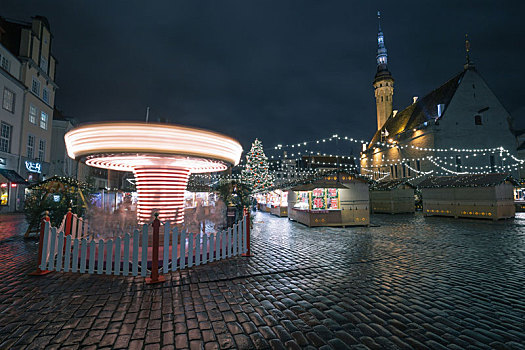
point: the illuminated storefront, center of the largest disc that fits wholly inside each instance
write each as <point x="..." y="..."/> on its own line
<point x="278" y="201"/>
<point x="335" y="200"/>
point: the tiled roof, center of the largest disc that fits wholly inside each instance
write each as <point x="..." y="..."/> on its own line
<point x="470" y="180"/>
<point x="423" y="110"/>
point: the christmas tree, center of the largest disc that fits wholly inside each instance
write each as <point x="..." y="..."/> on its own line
<point x="256" y="174"/>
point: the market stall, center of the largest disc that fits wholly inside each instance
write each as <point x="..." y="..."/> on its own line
<point x="278" y="200"/>
<point x="392" y="197"/>
<point x="262" y="202"/>
<point x="483" y="196"/>
<point x="335" y="200"/>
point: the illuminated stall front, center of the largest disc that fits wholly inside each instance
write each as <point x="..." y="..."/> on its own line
<point x="278" y="200"/>
<point x="262" y="202"/>
<point x="335" y="200"/>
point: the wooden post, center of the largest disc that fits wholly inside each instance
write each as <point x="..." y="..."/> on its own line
<point x="155" y="278"/>
<point x="40" y="272"/>
<point x="69" y="219"/>
<point x="247" y="218"/>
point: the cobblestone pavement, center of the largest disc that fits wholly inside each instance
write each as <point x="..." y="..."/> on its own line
<point x="409" y="282"/>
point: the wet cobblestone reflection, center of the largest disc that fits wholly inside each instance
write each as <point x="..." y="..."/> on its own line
<point x="409" y="282"/>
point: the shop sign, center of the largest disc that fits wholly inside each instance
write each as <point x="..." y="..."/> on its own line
<point x="56" y="198"/>
<point x="33" y="167"/>
<point x="3" y="161"/>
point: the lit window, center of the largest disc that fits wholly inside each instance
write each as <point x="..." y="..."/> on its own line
<point x="31" y="147"/>
<point x="32" y="114"/>
<point x="9" y="100"/>
<point x="41" y="150"/>
<point x="477" y="120"/>
<point x="43" y="120"/>
<point x="35" y="86"/>
<point x="45" y="95"/>
<point x="5" y="137"/>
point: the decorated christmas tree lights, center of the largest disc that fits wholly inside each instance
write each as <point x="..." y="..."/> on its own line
<point x="256" y="174"/>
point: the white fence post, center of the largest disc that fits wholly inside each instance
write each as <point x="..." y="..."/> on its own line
<point x="109" y="256"/>
<point x="83" y="255"/>
<point x="136" y="236"/>
<point x="74" y="261"/>
<point x="126" y="261"/>
<point x="198" y="249"/>
<point x="223" y="241"/>
<point x="175" y="249"/>
<point x="60" y="251"/>
<point x="166" y="251"/>
<point x="118" y="246"/>
<point x="67" y="257"/>
<point x="212" y="247"/>
<point x="204" y="248"/>
<point x="229" y="242"/>
<point x="217" y="246"/>
<point x="92" y="248"/>
<point x="52" y="247"/>
<point x="190" y="249"/>
<point x="144" y="261"/>
<point x="100" y="256"/>
<point x="182" y="249"/>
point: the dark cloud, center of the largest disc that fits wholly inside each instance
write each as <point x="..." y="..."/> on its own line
<point x="283" y="71"/>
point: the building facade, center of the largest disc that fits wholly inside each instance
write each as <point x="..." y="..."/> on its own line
<point x="12" y="92"/>
<point x="27" y="69"/>
<point x="32" y="43"/>
<point x="459" y="128"/>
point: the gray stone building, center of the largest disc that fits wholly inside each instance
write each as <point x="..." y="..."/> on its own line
<point x="460" y="127"/>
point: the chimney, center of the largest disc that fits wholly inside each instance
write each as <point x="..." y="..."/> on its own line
<point x="415" y="99"/>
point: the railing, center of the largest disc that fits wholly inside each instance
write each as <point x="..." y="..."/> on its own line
<point x="128" y="255"/>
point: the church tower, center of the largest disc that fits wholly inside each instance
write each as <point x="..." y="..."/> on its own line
<point x="383" y="81"/>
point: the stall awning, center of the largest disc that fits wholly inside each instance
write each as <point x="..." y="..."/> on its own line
<point x="13" y="177"/>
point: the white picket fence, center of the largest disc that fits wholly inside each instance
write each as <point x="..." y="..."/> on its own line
<point x="78" y="227"/>
<point x="125" y="255"/>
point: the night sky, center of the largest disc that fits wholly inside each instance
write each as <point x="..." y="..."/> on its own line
<point x="282" y="71"/>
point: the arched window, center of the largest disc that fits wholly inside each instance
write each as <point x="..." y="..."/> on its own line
<point x="381" y="98"/>
<point x="477" y="120"/>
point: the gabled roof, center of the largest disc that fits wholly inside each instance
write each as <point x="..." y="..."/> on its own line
<point x="390" y="185"/>
<point x="470" y="180"/>
<point x="423" y="110"/>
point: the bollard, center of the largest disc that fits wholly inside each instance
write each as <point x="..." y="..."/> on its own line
<point x="155" y="278"/>
<point x="248" y="251"/>
<point x="40" y="272"/>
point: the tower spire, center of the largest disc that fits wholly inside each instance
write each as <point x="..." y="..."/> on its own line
<point x="468" y="62"/>
<point x="383" y="81"/>
<point x="382" y="56"/>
